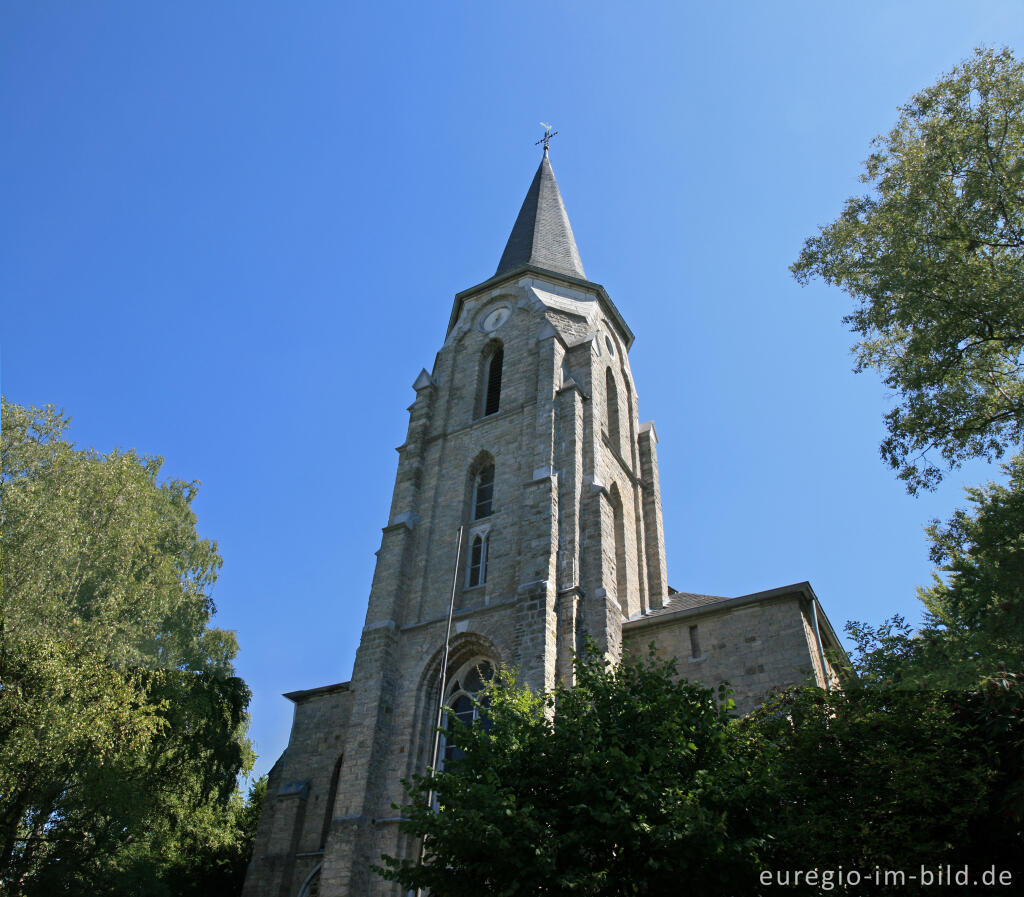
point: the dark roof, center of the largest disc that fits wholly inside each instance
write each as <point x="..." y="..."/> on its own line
<point x="684" y="601"/>
<point x="305" y="693"/>
<point x="542" y="235"/>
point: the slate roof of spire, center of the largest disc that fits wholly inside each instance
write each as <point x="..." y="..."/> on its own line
<point x="542" y="235"/>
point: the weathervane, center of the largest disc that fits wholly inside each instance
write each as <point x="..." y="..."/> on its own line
<point x="548" y="134"/>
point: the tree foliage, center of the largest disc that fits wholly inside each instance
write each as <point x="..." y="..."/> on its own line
<point x="122" y="725"/>
<point x="974" y="623"/>
<point x="978" y="602"/>
<point x="891" y="779"/>
<point x="635" y="783"/>
<point x="629" y="783"/>
<point x="212" y="855"/>
<point x="934" y="257"/>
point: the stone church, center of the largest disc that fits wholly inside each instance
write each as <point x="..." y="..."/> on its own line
<point x="526" y="516"/>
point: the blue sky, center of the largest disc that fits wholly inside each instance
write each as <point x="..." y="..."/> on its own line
<point x="232" y="232"/>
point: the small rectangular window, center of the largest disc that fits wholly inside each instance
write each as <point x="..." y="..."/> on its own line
<point x="694" y="642"/>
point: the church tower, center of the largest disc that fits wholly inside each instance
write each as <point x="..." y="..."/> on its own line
<point x="526" y="516"/>
<point x="523" y="438"/>
<point x="526" y="497"/>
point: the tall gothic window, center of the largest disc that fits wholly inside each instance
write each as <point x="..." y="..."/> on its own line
<point x="483" y="493"/>
<point x="611" y="396"/>
<point x="462" y="704"/>
<point x="476" y="573"/>
<point x="494" y="359"/>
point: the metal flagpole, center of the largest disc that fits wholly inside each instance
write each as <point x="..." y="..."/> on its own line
<point x="443" y="675"/>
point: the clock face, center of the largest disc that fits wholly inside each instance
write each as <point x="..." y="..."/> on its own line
<point x="495" y="318"/>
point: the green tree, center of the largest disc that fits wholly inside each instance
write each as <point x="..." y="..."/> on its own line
<point x="212" y="857"/>
<point x="889" y="655"/>
<point x="893" y="779"/>
<point x="976" y="608"/>
<point x="633" y="783"/>
<point x="934" y="257"/>
<point x="122" y="725"/>
<point x="974" y="623"/>
<point x="629" y="783"/>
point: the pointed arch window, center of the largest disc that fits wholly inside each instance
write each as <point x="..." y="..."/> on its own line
<point x="611" y="395"/>
<point x="311" y="885"/>
<point x="476" y="572"/>
<point x="494" y="361"/>
<point x="483" y="493"/>
<point x="463" y="705"/>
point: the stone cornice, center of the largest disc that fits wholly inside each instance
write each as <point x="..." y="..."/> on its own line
<point x="604" y="299"/>
<point x="302" y="695"/>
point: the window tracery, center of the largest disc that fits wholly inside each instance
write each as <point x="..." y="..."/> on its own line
<point x="476" y="572"/>
<point x="462" y="704"/>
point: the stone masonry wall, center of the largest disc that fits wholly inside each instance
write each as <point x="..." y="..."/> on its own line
<point x="298" y="805"/>
<point x="756" y="648"/>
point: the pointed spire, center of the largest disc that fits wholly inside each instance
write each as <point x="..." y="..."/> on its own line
<point x="542" y="235"/>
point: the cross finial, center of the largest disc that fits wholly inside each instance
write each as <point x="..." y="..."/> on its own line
<point x="549" y="132"/>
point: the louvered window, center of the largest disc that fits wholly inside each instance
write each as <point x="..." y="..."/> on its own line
<point x="492" y="395"/>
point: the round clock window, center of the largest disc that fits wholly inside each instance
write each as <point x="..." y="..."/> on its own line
<point x="495" y="318"/>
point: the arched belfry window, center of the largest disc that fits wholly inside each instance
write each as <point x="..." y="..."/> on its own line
<point x="493" y="360"/>
<point x="476" y="571"/>
<point x="483" y="492"/>
<point x="611" y="395"/>
<point x="463" y="705"/>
